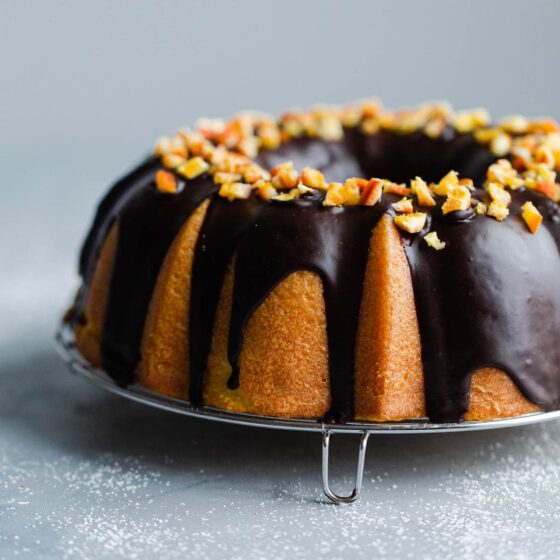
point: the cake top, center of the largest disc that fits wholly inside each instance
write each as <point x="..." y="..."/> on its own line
<point x="528" y="152"/>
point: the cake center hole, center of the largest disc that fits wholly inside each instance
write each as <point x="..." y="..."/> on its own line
<point x="399" y="157"/>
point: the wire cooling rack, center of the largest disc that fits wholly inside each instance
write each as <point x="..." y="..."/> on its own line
<point x="66" y="347"/>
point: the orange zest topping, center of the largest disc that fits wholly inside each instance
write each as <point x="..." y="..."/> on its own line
<point x="498" y="210"/>
<point x="419" y="187"/>
<point x="284" y="176"/>
<point x="404" y="206"/>
<point x="193" y="168"/>
<point x="530" y="149"/>
<point x="347" y="194"/>
<point x="396" y="188"/>
<point x="372" y="192"/>
<point x="166" y="182"/>
<point x="234" y="191"/>
<point x="533" y="218"/>
<point x="445" y="184"/>
<point x="458" y="198"/>
<point x="497" y="192"/>
<point x="313" y="178"/>
<point x="411" y="223"/>
<point x="434" y="241"/>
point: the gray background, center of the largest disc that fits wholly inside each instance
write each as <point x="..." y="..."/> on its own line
<point x="85" y="89"/>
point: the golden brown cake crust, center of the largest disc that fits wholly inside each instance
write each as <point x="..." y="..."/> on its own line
<point x="494" y="395"/>
<point x="286" y="380"/>
<point x="164" y="365"/>
<point x="273" y="381"/>
<point x="389" y="381"/>
<point x="284" y="361"/>
<point x="88" y="334"/>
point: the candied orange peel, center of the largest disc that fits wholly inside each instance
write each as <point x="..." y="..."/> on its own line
<point x="434" y="241"/>
<point x="372" y="192"/>
<point x="234" y="191"/>
<point x="166" y="182"/>
<point x="533" y="218"/>
<point x="193" y="168"/>
<point x="420" y="188"/>
<point x="411" y="223"/>
<point x="313" y="178"/>
<point x="498" y="193"/>
<point x="404" y="205"/>
<point x="347" y="193"/>
<point x="527" y="155"/>
<point x="458" y="198"/>
<point x="497" y="209"/>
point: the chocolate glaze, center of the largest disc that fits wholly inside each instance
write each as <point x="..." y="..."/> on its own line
<point x="147" y="226"/>
<point x="337" y="160"/>
<point x="402" y="157"/>
<point x="490" y="299"/>
<point x="107" y="211"/>
<point x="224" y="224"/>
<point x="304" y="235"/>
<point x="109" y="208"/>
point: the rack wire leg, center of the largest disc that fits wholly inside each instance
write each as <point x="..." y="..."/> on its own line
<point x="359" y="471"/>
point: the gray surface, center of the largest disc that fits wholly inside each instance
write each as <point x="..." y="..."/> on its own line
<point x="86" y="88"/>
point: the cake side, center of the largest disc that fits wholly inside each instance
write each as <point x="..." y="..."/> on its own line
<point x="164" y="351"/>
<point x="389" y="382"/>
<point x="89" y="330"/>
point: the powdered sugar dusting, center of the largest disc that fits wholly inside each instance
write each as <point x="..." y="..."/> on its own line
<point x="86" y="475"/>
<point x="440" y="502"/>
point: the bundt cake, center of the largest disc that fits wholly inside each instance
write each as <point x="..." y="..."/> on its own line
<point x="248" y="265"/>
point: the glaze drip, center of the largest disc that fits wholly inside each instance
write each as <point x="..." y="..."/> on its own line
<point x="147" y="226"/>
<point x="121" y="192"/>
<point x="490" y="299"/>
<point x="223" y="225"/>
<point x="303" y="235"/>
<point x="107" y="212"/>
